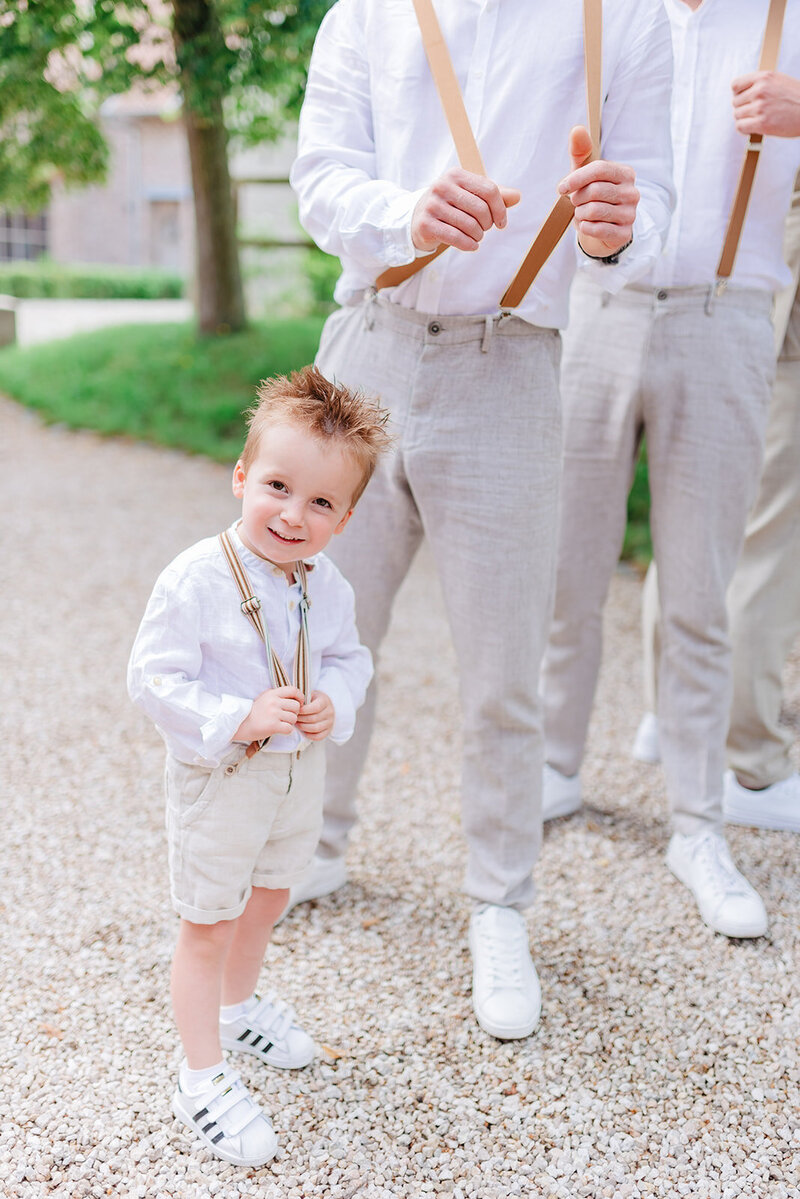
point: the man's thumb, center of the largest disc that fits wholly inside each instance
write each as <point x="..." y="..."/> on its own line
<point x="580" y="146"/>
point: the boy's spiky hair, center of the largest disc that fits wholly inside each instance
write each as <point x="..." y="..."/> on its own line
<point x="329" y="411"/>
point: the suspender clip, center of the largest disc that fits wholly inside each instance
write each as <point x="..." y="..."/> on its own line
<point x="250" y="605"/>
<point x="755" y="145"/>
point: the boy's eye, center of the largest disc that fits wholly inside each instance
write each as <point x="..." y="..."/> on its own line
<point x="321" y="502"/>
<point x="276" y="485"/>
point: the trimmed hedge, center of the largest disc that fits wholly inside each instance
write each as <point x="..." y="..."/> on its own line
<point x="45" y="280"/>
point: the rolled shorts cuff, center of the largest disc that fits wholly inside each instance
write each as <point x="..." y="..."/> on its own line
<point x="198" y="916"/>
<point x="277" y="881"/>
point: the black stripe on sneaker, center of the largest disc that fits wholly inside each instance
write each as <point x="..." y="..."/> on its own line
<point x="218" y="1137"/>
<point x="266" y="1048"/>
<point x="211" y="1124"/>
<point x="247" y="1032"/>
<point x="199" y="1115"/>
<point x="256" y="1040"/>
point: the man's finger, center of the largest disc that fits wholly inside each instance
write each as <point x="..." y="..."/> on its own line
<point x="599" y="171"/>
<point x="580" y="145"/>
<point x="743" y="82"/>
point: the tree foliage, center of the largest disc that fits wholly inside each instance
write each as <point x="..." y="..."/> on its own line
<point x="60" y="58"/>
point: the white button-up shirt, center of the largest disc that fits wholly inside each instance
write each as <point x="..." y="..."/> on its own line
<point x="373" y="137"/>
<point x="712" y="46"/>
<point x="197" y="663"/>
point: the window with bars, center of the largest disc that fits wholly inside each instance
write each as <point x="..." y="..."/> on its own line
<point x="22" y="237"/>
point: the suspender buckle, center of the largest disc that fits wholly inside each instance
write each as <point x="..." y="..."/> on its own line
<point x="754" y="145"/>
<point x="720" y="287"/>
<point x="250" y="605"/>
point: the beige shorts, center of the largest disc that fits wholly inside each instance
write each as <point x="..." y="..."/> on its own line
<point x="250" y="822"/>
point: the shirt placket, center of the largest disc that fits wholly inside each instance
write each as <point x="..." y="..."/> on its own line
<point x="686" y="81"/>
<point x="433" y="278"/>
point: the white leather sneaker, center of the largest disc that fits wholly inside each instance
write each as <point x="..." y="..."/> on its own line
<point x="646" y="746"/>
<point x="268" y="1029"/>
<point x="227" y="1120"/>
<point x="325" y="875"/>
<point x="506" y="995"/>
<point x="725" y="899"/>
<point x="561" y="793"/>
<point x="776" y="807"/>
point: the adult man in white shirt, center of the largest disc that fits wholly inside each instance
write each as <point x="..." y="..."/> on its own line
<point x="762" y="786"/>
<point x="473" y="390"/>
<point x="692" y="369"/>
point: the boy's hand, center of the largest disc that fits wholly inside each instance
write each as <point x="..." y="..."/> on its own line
<point x="316" y="717"/>
<point x="604" y="196"/>
<point x="274" y="712"/>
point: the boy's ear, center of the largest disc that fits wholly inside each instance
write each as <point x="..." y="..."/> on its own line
<point x="343" y="521"/>
<point x="237" y="482"/>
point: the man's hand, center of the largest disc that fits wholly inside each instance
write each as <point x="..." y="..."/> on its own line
<point x="274" y="712"/>
<point x="457" y="209"/>
<point x="603" y="195"/>
<point x="316" y="717"/>
<point x="766" y="102"/>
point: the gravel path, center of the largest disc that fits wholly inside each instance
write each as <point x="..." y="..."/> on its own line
<point x="666" y="1062"/>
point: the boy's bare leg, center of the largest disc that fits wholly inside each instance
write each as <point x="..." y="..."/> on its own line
<point x="250" y="939"/>
<point x="197" y="969"/>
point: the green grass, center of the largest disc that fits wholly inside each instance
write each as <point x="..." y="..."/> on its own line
<point x="44" y="279"/>
<point x="158" y="383"/>
<point x="637" y="546"/>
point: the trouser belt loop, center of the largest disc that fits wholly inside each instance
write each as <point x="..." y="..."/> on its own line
<point x="714" y="290"/>
<point x="487" y="334"/>
<point x="369" y="309"/>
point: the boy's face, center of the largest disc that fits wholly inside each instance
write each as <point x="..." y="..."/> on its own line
<point x="296" y="494"/>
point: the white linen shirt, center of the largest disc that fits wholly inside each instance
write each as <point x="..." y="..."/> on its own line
<point x="197" y="663"/>
<point x="373" y="137"/>
<point x="712" y="46"/>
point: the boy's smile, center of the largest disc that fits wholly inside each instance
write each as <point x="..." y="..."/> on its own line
<point x="296" y="493"/>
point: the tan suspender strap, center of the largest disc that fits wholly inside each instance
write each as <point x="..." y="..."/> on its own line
<point x="444" y="76"/>
<point x="560" y="216"/>
<point x="767" y="62"/>
<point x="251" y="607"/>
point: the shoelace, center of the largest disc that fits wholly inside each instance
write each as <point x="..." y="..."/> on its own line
<point x="273" y="1015"/>
<point x="504" y="954"/>
<point x="713" y="855"/>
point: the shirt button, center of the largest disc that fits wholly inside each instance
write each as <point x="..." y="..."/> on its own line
<point x="434" y="327"/>
<point x="292" y="605"/>
<point x="662" y="295"/>
<point x="156" y="680"/>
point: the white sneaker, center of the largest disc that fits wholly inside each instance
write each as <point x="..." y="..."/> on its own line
<point x="561" y="793"/>
<point x="506" y="995"/>
<point x="725" y="899"/>
<point x="269" y="1031"/>
<point x="227" y="1119"/>
<point x="646" y="746"/>
<point x="325" y="875"/>
<point x="776" y="807"/>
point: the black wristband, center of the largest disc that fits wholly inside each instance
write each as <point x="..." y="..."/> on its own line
<point x="609" y="259"/>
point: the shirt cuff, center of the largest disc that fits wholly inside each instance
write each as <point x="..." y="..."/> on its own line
<point x="217" y="733"/>
<point x="398" y="247"/>
<point x="344" y="721"/>
<point x="637" y="260"/>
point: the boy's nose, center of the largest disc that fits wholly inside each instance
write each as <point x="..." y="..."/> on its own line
<point x="292" y="513"/>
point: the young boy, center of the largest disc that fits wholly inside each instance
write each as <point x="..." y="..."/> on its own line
<point x="245" y="765"/>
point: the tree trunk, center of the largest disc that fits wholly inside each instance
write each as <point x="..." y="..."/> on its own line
<point x="201" y="54"/>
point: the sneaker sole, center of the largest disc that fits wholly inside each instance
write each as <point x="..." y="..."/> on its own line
<point x="505" y="1034"/>
<point x="738" y="931"/>
<point x="295" y="1064"/>
<point x="234" y="1158"/>
<point x="564" y="807"/>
